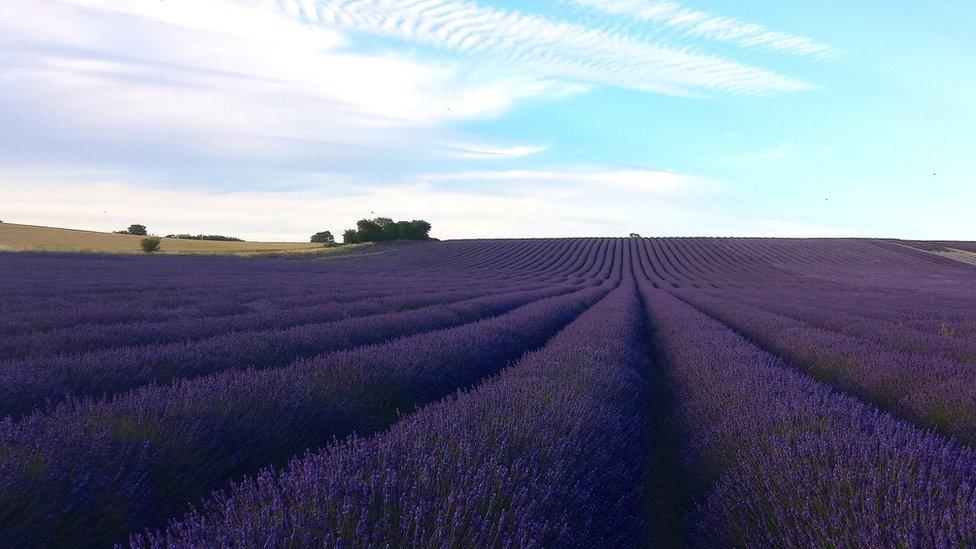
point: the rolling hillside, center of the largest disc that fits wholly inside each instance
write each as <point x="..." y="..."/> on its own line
<point x="21" y="238"/>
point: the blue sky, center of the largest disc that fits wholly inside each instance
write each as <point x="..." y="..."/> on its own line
<point x="274" y="119"/>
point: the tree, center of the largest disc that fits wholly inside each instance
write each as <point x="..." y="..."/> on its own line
<point x="350" y="236"/>
<point x="150" y="244"/>
<point x="404" y="230"/>
<point x="634" y="235"/>
<point x="324" y="237"/>
<point x="388" y="228"/>
<point x="419" y="230"/>
<point x="368" y="230"/>
<point x="139" y="230"/>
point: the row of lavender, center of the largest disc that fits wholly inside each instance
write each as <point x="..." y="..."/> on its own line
<point x="181" y="419"/>
<point x="119" y="357"/>
<point x="780" y="460"/>
<point x="910" y="351"/>
<point x="784" y="461"/>
<point x="45" y="292"/>
<point x="554" y="451"/>
<point x="550" y="452"/>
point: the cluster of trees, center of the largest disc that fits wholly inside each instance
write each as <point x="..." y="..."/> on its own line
<point x="216" y="237"/>
<point x="382" y="229"/>
<point x="378" y="229"/>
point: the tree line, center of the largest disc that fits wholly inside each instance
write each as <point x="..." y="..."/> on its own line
<point x="140" y="230"/>
<point x="379" y="229"/>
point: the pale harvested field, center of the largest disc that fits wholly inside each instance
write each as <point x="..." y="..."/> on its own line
<point x="959" y="255"/>
<point x="24" y="238"/>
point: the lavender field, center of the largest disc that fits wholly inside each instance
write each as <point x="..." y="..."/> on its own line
<point x="705" y="392"/>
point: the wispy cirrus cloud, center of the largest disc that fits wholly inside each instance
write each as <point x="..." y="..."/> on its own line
<point x="487" y="151"/>
<point x="693" y="22"/>
<point x="554" y="47"/>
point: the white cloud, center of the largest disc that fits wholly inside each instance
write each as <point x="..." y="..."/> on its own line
<point x="580" y="177"/>
<point x="536" y="203"/>
<point x="231" y="80"/>
<point x="189" y="83"/>
<point x="488" y="151"/>
<point x="174" y="100"/>
<point x="702" y="24"/>
<point x="556" y="48"/>
<point x="791" y="229"/>
<point x="588" y="201"/>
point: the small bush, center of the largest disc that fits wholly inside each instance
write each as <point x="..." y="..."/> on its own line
<point x="150" y="244"/>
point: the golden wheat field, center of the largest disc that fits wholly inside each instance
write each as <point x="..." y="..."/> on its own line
<point x="22" y="238"/>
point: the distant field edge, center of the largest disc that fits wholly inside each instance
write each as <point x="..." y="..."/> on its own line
<point x="959" y="251"/>
<point x="35" y="238"/>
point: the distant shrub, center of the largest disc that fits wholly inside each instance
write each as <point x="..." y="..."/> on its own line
<point x="634" y="235"/>
<point x="216" y="237"/>
<point x="324" y="237"/>
<point x="150" y="244"/>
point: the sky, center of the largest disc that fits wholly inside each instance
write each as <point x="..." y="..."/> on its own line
<point x="275" y="119"/>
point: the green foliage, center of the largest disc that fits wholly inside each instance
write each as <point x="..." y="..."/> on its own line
<point x="150" y="244"/>
<point x="372" y="230"/>
<point x="139" y="230"/>
<point x="383" y="229"/>
<point x="350" y="236"/>
<point x="634" y="235"/>
<point x="325" y="237"/>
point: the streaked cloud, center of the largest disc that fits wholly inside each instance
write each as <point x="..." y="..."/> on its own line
<point x="487" y="152"/>
<point x="553" y="47"/>
<point x="693" y="22"/>
<point x="199" y="85"/>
